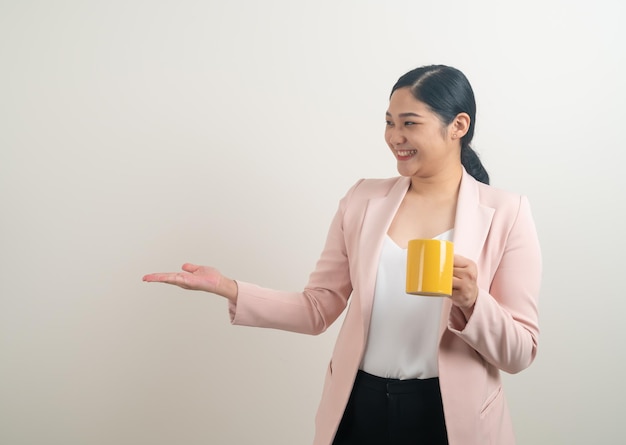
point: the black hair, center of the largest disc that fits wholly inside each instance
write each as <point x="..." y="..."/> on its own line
<point x="447" y="92"/>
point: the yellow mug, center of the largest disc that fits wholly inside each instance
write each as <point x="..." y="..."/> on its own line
<point x="429" y="267"/>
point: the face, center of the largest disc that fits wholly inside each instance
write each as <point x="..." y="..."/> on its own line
<point x="421" y="143"/>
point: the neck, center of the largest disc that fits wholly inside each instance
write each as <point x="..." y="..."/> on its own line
<point x="442" y="185"/>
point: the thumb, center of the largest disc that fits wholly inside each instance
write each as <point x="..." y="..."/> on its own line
<point x="191" y="268"/>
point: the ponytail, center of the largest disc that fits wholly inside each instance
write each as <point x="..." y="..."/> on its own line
<point x="472" y="164"/>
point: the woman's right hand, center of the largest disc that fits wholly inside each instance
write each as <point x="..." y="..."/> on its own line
<point x="195" y="277"/>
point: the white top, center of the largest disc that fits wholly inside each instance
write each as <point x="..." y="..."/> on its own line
<point x="403" y="337"/>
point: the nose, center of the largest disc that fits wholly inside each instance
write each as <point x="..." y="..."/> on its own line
<point x="395" y="136"/>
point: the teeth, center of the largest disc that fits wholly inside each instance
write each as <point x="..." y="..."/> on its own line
<point x="406" y="153"/>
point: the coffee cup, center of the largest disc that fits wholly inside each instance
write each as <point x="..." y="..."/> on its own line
<point x="429" y="267"/>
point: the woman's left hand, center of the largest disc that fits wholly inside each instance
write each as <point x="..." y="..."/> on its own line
<point x="464" y="286"/>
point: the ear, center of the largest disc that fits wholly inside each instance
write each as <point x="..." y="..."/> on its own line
<point x="460" y="125"/>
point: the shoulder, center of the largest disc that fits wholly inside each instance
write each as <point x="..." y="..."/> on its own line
<point x="364" y="190"/>
<point x="503" y="202"/>
<point x="508" y="206"/>
<point x="496" y="197"/>
<point x="367" y="188"/>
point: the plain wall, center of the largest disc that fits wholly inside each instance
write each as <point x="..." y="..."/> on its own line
<point x="139" y="135"/>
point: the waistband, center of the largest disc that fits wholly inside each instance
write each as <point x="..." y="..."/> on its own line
<point x="396" y="386"/>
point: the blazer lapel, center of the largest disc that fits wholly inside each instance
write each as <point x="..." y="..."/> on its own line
<point x="378" y="217"/>
<point x="471" y="227"/>
<point x="472" y="221"/>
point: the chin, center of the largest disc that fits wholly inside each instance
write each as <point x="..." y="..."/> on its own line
<point x="404" y="170"/>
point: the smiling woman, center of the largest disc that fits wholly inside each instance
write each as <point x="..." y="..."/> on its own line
<point x="408" y="369"/>
<point x="442" y="98"/>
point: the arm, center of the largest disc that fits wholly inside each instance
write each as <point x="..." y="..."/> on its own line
<point x="311" y="311"/>
<point x="503" y="324"/>
<point x="318" y="306"/>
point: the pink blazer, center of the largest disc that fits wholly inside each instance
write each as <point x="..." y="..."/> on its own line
<point x="493" y="228"/>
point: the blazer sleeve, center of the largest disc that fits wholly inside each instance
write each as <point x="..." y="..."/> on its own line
<point x="504" y="327"/>
<point x="321" y="302"/>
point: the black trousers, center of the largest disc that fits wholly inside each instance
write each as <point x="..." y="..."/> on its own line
<point x="393" y="412"/>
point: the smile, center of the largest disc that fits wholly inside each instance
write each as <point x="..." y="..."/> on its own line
<point x="404" y="154"/>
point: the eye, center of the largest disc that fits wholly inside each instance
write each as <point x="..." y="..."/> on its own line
<point x="409" y="124"/>
<point x="389" y="123"/>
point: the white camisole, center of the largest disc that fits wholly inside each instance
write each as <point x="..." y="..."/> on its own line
<point x="404" y="331"/>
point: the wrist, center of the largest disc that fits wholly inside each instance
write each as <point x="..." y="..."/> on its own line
<point x="467" y="311"/>
<point x="230" y="289"/>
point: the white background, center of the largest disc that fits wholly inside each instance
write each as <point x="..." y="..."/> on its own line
<point x="138" y="135"/>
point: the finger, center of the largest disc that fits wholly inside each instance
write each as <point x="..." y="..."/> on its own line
<point x="461" y="272"/>
<point x="461" y="261"/>
<point x="458" y="283"/>
<point x="188" y="267"/>
<point x="149" y="277"/>
<point x="161" y="277"/>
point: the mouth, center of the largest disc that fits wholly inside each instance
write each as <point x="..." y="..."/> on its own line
<point x="403" y="155"/>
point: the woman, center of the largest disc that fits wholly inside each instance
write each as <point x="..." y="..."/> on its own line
<point x="411" y="370"/>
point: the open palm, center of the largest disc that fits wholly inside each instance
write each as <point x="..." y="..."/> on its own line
<point x="193" y="277"/>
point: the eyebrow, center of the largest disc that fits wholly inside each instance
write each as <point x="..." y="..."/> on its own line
<point x="404" y="114"/>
